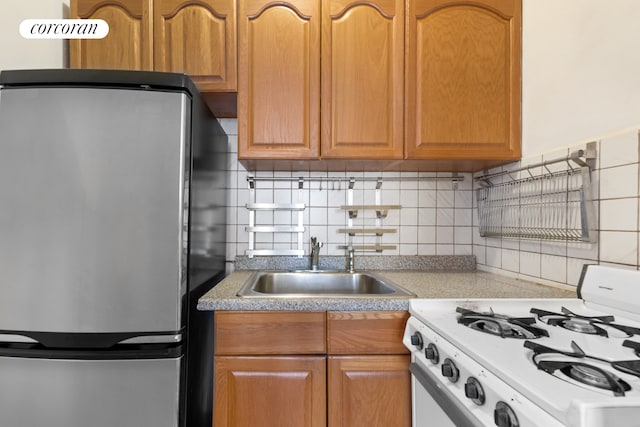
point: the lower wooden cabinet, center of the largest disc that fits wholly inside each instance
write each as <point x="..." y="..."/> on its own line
<point x="311" y="369"/>
<point x="270" y="391"/>
<point x="369" y="391"/>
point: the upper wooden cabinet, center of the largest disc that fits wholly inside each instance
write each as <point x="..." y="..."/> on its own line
<point x="129" y="44"/>
<point x="463" y="68"/>
<point x="280" y="54"/>
<point x="362" y="79"/>
<point x="415" y="85"/>
<point x="196" y="37"/>
<point x="278" y="79"/>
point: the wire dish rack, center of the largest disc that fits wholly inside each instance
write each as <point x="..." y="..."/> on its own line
<point x="552" y="200"/>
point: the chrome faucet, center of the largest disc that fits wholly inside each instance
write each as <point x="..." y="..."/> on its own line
<point x="315" y="251"/>
<point x="350" y="259"/>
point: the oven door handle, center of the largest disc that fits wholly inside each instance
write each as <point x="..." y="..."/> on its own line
<point x="443" y="397"/>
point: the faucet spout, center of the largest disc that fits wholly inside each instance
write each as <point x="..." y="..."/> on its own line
<point x="315" y="251"/>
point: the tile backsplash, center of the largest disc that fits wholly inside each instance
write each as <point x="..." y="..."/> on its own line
<point x="435" y="219"/>
<point x="438" y="218"/>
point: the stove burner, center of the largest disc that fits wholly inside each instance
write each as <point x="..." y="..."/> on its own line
<point x="584" y="373"/>
<point x="500" y="325"/>
<point x="588" y="375"/>
<point x="593" y="325"/>
<point x="579" y="325"/>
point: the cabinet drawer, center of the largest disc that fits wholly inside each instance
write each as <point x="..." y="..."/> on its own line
<point x="269" y="332"/>
<point x="366" y="332"/>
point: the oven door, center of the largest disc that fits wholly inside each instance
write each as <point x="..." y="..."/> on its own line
<point x="433" y="405"/>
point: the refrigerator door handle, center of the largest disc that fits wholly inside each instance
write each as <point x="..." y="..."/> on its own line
<point x="153" y="339"/>
<point x="159" y="352"/>
<point x="90" y="340"/>
<point x="16" y="338"/>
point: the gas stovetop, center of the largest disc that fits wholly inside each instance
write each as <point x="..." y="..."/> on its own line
<point x="577" y="359"/>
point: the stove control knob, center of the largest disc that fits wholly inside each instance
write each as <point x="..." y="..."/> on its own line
<point x="417" y="341"/>
<point x="503" y="416"/>
<point x="474" y="391"/>
<point x="431" y="353"/>
<point x="450" y="370"/>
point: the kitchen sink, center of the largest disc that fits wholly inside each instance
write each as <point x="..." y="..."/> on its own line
<point x="319" y="284"/>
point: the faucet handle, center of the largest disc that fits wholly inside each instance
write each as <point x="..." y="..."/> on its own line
<point x="350" y="259"/>
<point x="315" y="244"/>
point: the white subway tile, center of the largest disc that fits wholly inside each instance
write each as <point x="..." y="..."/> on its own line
<point x="619" y="182"/>
<point x="408" y="250"/>
<point x="619" y="150"/>
<point x="463" y="235"/>
<point x="427" y="198"/>
<point x="480" y="252"/>
<point x="463" y="199"/>
<point x="619" y="214"/>
<point x="444" y="235"/>
<point x="408" y="217"/>
<point x="426" y="235"/>
<point x="408" y="235"/>
<point x="426" y="250"/>
<point x="445" y="250"/>
<point x="463" y="249"/>
<point x="427" y="216"/>
<point x="444" y="199"/>
<point x="318" y="216"/>
<point x="510" y="260"/>
<point x="494" y="257"/>
<point x="553" y="267"/>
<point x="619" y="247"/>
<point x="530" y="263"/>
<point x="409" y="198"/>
<point x="444" y="217"/>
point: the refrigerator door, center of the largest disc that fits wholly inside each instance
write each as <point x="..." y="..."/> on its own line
<point x="93" y="210"/>
<point x="96" y="393"/>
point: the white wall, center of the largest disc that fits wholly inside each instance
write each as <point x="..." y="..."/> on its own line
<point x="19" y="53"/>
<point x="581" y="71"/>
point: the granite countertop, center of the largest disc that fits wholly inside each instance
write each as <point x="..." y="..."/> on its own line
<point x="456" y="284"/>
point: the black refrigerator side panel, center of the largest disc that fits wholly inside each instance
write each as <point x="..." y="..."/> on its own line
<point x="207" y="255"/>
<point x="208" y="216"/>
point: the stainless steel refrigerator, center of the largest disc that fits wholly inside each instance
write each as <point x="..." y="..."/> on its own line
<point x="112" y="224"/>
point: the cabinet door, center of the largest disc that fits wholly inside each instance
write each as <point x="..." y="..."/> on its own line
<point x="128" y="46"/>
<point x="362" y="79"/>
<point x="278" y="79"/>
<point x="197" y="37"/>
<point x="369" y="391"/>
<point x="270" y="391"/>
<point x="463" y="79"/>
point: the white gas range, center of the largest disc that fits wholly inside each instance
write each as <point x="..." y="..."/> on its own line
<point x="524" y="362"/>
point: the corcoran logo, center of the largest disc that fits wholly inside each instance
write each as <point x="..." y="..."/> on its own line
<point x="64" y="28"/>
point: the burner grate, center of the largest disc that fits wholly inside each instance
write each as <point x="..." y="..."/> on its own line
<point x="589" y="374"/>
<point x="500" y="325"/>
<point x="592" y="325"/>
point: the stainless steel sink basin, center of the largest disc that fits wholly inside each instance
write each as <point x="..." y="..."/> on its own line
<point x="319" y="284"/>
